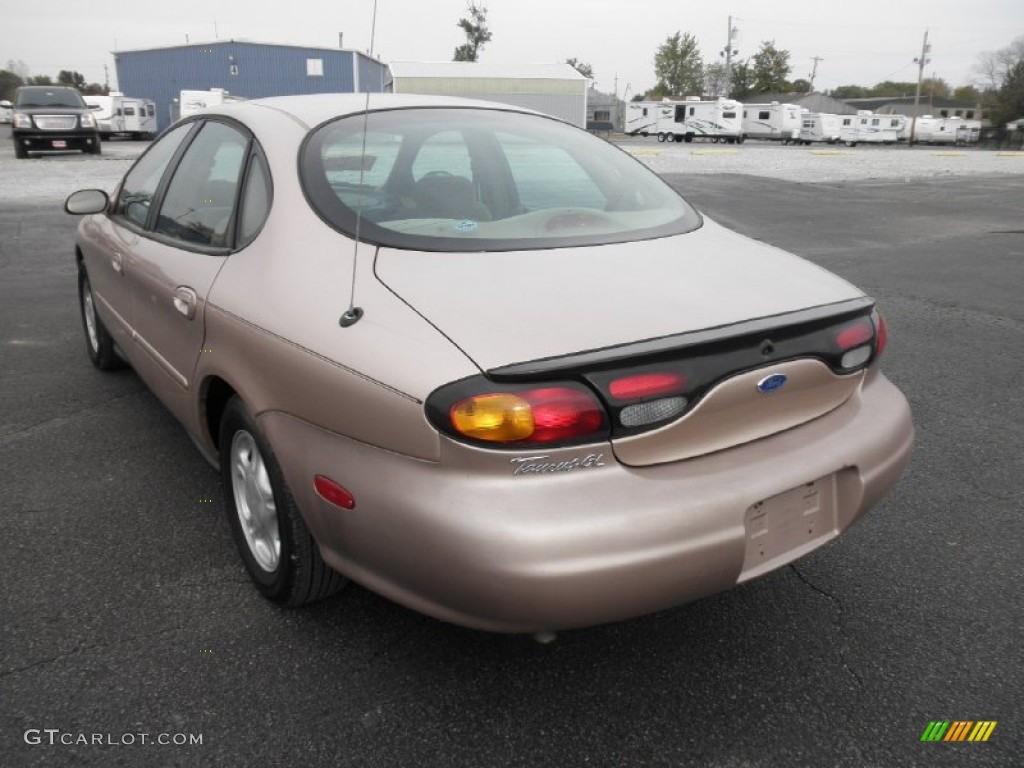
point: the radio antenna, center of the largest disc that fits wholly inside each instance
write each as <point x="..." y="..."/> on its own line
<point x="352" y="315"/>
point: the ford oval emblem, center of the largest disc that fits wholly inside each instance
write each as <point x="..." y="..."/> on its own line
<point x="772" y="383"/>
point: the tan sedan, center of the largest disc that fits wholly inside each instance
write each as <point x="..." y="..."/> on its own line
<point x="482" y="362"/>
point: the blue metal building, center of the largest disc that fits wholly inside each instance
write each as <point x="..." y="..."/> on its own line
<point x="245" y="69"/>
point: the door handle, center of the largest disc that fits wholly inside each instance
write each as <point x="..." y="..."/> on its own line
<point x="185" y="301"/>
<point x="117" y="262"/>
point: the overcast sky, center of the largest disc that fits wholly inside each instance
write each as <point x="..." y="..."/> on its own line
<point x="861" y="42"/>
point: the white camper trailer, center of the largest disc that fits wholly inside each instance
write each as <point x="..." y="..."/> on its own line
<point x="868" y="128"/>
<point x="718" y="120"/>
<point x="937" y="130"/>
<point x="120" y="115"/>
<point x="192" y="102"/>
<point x="968" y="132"/>
<point x="775" y="121"/>
<point x="6" y="111"/>
<point x="642" y="118"/>
<point x="819" y="127"/>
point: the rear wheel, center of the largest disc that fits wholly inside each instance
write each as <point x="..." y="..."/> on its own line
<point x="98" y="342"/>
<point x="277" y="549"/>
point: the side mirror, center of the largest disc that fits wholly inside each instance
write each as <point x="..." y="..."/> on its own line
<point x="87" y="201"/>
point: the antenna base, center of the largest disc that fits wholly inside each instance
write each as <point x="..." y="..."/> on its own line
<point x="351" y="317"/>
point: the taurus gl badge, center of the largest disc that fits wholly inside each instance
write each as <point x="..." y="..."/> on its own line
<point x="772" y="383"/>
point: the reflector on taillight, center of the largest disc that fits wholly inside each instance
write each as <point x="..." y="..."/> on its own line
<point x="854" y="335"/>
<point x="535" y="415"/>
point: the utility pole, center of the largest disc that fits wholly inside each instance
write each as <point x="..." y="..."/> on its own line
<point x="921" y="62"/>
<point x="728" y="52"/>
<point x="814" y="72"/>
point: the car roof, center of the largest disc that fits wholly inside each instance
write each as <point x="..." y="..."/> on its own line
<point x="311" y="110"/>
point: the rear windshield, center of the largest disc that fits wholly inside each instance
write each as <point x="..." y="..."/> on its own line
<point x="481" y="179"/>
<point x="48" y="97"/>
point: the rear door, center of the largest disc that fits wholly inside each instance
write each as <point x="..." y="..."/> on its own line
<point x="173" y="269"/>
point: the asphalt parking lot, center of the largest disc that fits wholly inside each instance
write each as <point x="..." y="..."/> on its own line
<point x="126" y="610"/>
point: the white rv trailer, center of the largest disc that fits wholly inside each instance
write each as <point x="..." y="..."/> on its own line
<point x="6" y="111"/>
<point x="868" y="128"/>
<point x="120" y="115"/>
<point x="192" y="102"/>
<point x="938" y="130"/>
<point x="642" y="118"/>
<point x="968" y="132"/>
<point x="820" y="126"/>
<point x="775" y="121"/>
<point x="718" y="120"/>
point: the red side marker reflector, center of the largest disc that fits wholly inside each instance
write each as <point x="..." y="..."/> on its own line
<point x="334" y="493"/>
<point x="883" y="335"/>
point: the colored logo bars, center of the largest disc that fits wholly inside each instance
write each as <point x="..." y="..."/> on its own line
<point x="958" y="730"/>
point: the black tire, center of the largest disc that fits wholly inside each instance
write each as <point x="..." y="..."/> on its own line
<point x="98" y="342"/>
<point x="19" y="151"/>
<point x="298" y="575"/>
<point x="96" y="148"/>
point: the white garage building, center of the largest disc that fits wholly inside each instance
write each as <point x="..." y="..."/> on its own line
<point x="555" y="89"/>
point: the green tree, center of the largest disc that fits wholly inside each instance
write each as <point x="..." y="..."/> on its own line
<point x="892" y="88"/>
<point x="477" y="33"/>
<point x="582" y="67"/>
<point x="39" y="80"/>
<point x="9" y="81"/>
<point x="967" y="93"/>
<point x="934" y="87"/>
<point x="74" y="79"/>
<point x="1009" y="99"/>
<point x="849" y="92"/>
<point x="800" y="86"/>
<point x="742" y="81"/>
<point x="678" y="65"/>
<point x="771" y="68"/>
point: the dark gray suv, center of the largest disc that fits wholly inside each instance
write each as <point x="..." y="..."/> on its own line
<point x="52" y="118"/>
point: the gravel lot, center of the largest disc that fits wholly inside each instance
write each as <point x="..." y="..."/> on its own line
<point x="54" y="177"/>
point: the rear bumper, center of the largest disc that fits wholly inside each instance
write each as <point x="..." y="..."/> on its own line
<point x="469" y="541"/>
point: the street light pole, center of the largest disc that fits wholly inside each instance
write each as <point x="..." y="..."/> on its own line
<point x="925" y="50"/>
<point x="729" y="52"/>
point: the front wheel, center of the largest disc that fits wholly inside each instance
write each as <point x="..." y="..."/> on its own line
<point x="277" y="549"/>
<point x="98" y="342"/>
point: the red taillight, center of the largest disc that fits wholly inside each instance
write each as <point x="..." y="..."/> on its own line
<point x="333" y="492"/>
<point x="539" y="415"/>
<point x="881" y="334"/>
<point x="647" y="385"/>
<point x="855" y="335"/>
<point x="560" y="413"/>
